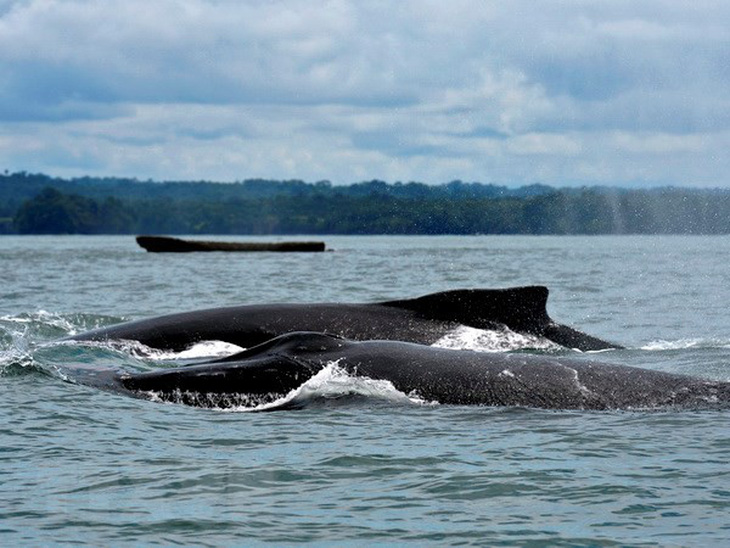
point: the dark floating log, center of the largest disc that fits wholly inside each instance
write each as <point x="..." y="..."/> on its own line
<point x="164" y="244"/>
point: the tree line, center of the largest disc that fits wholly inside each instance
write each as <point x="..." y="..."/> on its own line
<point x="374" y="207"/>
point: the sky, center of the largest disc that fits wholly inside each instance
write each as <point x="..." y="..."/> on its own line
<point x="625" y="93"/>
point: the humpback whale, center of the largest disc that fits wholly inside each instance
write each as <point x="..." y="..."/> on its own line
<point x="422" y="320"/>
<point x="270" y="371"/>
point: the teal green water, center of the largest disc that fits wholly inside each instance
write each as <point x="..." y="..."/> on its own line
<point x="83" y="467"/>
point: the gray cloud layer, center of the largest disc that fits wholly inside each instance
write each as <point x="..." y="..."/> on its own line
<point x="562" y="92"/>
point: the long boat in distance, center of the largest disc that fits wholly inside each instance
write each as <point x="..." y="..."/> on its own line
<point x="166" y="244"/>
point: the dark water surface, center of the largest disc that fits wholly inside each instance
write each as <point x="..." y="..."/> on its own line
<point x="83" y="467"/>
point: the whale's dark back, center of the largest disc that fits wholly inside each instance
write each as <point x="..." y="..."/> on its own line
<point x="270" y="371"/>
<point x="421" y="320"/>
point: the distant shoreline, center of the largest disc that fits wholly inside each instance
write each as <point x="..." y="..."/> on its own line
<point x="39" y="204"/>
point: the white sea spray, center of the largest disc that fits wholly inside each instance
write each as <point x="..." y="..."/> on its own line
<point x="502" y="340"/>
<point x="685" y="344"/>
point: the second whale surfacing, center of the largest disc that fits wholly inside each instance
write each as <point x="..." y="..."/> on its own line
<point x="269" y="372"/>
<point x="423" y="320"/>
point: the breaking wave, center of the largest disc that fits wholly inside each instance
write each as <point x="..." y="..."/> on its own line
<point x="44" y="325"/>
<point x="16" y="346"/>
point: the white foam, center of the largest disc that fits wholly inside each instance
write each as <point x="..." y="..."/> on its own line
<point x="203" y="349"/>
<point x="40" y="318"/>
<point x="334" y="382"/>
<point x="482" y="340"/>
<point x="684" y="344"/>
<point x="15" y="356"/>
<point x="223" y="402"/>
<point x="18" y="352"/>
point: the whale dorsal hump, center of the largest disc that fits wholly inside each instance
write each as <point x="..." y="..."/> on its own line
<point x="295" y="343"/>
<point x="522" y="309"/>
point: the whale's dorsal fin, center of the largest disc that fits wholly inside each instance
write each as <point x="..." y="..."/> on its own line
<point x="521" y="309"/>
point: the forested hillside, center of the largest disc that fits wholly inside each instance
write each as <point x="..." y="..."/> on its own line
<point x="38" y="204"/>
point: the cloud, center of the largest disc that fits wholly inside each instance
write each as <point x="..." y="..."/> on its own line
<point x="511" y="92"/>
<point x="196" y="52"/>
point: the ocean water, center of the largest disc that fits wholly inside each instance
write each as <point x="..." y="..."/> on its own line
<point x="360" y="464"/>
